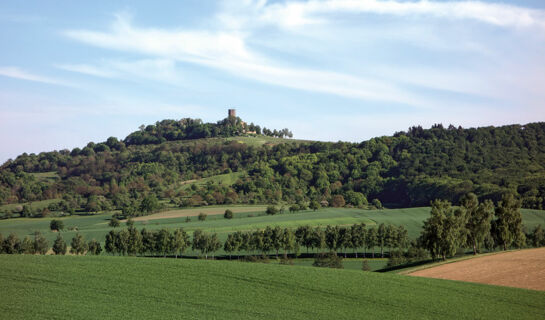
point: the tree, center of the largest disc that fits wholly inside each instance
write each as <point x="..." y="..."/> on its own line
<point x="507" y="227"/>
<point x="114" y="223"/>
<point x="276" y="239"/>
<point x="443" y="231"/>
<point x="94" y="247"/>
<point x="148" y="241"/>
<point x="180" y="241"/>
<point x="345" y="239"/>
<point x="377" y="204"/>
<point x="163" y="243"/>
<point x="27" y="246"/>
<point x="149" y="203"/>
<point x="332" y="238"/>
<point x="338" y="201"/>
<point x="135" y="241"/>
<point x="538" y="236"/>
<point x="41" y="245"/>
<point x="109" y="244"/>
<point x="303" y="236"/>
<point x="122" y="240"/>
<point x="479" y="216"/>
<point x="371" y="239"/>
<point x="314" y="205"/>
<point x="202" y="216"/>
<point x="78" y="245"/>
<point x="230" y="244"/>
<point x="59" y="246"/>
<point x="287" y="241"/>
<point x="319" y="239"/>
<point x="271" y="210"/>
<point x="12" y="244"/>
<point x="228" y="214"/>
<point x="56" y="225"/>
<point x="357" y="236"/>
<point x="381" y="237"/>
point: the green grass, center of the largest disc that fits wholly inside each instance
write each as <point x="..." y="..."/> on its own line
<point x="51" y="176"/>
<point x="227" y="179"/>
<point x="96" y="226"/>
<point x="69" y="287"/>
<point x="348" y="264"/>
<point x="34" y="204"/>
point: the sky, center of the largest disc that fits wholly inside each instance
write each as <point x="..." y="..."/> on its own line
<point x="78" y="71"/>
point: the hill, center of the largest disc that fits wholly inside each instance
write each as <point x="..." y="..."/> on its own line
<point x="404" y="170"/>
<point x="114" y="287"/>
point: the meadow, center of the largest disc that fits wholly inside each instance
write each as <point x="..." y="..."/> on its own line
<point x="103" y="287"/>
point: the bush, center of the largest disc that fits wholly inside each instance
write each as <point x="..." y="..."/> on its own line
<point x="56" y="225"/>
<point x="286" y="261"/>
<point x="271" y="210"/>
<point x="202" y="216"/>
<point x="365" y="266"/>
<point x="396" y="258"/>
<point x="187" y="219"/>
<point x="59" y="246"/>
<point x="114" y="223"/>
<point x="328" y="260"/>
<point x="228" y="214"/>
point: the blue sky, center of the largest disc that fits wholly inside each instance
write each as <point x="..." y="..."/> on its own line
<point x="75" y="71"/>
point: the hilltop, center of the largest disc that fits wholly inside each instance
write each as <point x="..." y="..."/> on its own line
<point x="189" y="163"/>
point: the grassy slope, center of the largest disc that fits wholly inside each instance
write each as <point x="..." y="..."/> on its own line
<point x="67" y="287"/>
<point x="96" y="226"/>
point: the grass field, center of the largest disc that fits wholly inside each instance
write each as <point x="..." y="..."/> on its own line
<point x="68" y="287"/>
<point x="227" y="179"/>
<point x="34" y="205"/>
<point x="253" y="217"/>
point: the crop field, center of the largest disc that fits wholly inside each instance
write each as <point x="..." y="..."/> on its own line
<point x="68" y="287"/>
<point x="245" y="218"/>
<point x="521" y="269"/>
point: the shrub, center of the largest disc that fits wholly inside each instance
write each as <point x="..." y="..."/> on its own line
<point x="202" y="216"/>
<point x="59" y="246"/>
<point x="228" y="214"/>
<point x="114" y="223"/>
<point x="328" y="260"/>
<point x="56" y="225"/>
<point x="271" y="210"/>
<point x="365" y="266"/>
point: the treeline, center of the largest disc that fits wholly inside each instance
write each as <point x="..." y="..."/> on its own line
<point x="476" y="225"/>
<point x="408" y="169"/>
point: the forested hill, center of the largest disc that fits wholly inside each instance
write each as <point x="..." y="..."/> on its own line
<point x="407" y="169"/>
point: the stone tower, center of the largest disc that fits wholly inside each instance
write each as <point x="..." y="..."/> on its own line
<point x="232" y="113"/>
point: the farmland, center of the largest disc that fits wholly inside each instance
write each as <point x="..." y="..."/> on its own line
<point x="521" y="269"/>
<point x="127" y="287"/>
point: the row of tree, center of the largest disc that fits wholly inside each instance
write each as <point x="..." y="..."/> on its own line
<point x="39" y="245"/>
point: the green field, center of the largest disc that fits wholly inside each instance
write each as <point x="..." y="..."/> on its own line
<point x="69" y="287"/>
<point x="96" y="226"/>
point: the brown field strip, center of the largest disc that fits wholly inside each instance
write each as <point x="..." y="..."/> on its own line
<point x="520" y="269"/>
<point x="195" y="212"/>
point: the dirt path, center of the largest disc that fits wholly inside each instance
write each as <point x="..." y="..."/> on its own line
<point x="196" y="211"/>
<point x="521" y="269"/>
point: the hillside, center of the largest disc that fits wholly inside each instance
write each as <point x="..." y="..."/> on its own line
<point x="114" y="287"/>
<point x="404" y="170"/>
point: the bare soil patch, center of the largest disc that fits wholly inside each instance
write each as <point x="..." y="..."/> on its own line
<point x="196" y="211"/>
<point x="520" y="269"/>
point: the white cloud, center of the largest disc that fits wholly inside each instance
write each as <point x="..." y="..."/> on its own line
<point x="14" y="72"/>
<point x="229" y="52"/>
<point x="292" y="14"/>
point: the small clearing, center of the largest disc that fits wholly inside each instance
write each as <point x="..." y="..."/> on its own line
<point x="520" y="269"/>
<point x="196" y="211"/>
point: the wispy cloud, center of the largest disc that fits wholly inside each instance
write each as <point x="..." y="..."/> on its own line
<point x="311" y="12"/>
<point x="228" y="51"/>
<point x="17" y="73"/>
